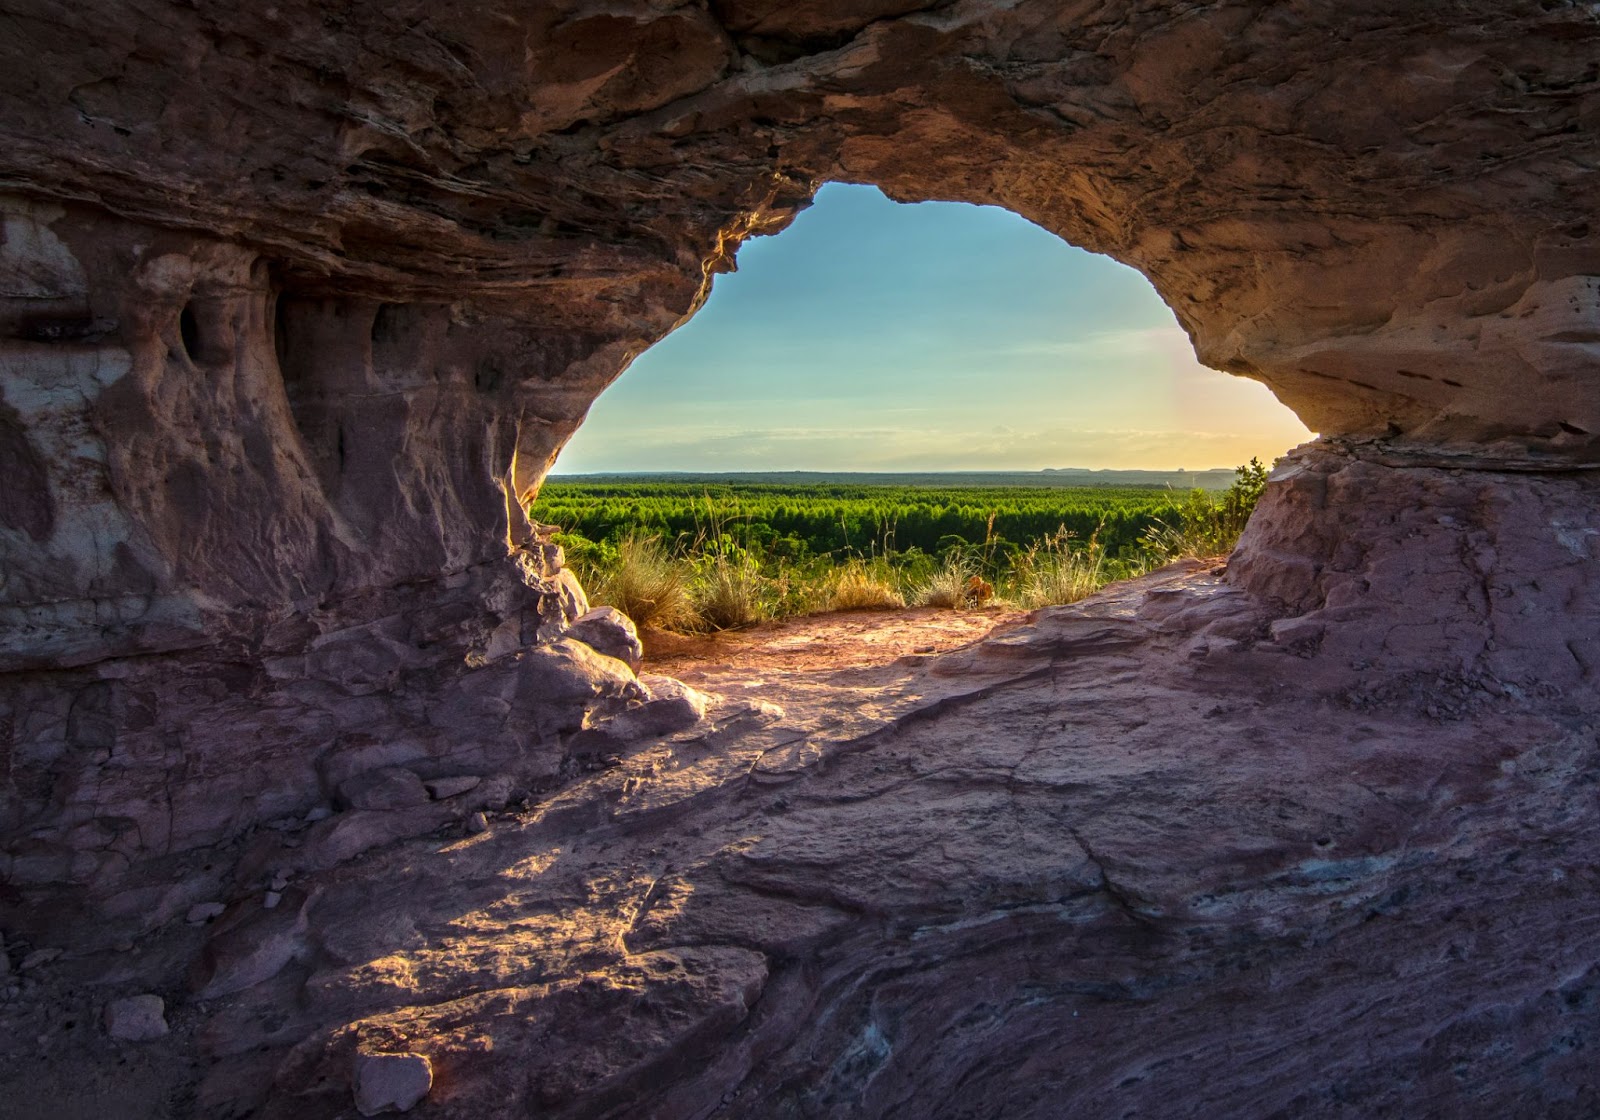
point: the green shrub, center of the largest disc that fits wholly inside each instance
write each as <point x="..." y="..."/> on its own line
<point x="1207" y="526"/>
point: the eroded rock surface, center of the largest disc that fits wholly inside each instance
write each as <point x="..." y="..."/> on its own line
<point x="1158" y="854"/>
<point x="298" y="304"/>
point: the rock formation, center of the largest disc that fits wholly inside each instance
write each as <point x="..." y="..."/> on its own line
<point x="297" y="304"/>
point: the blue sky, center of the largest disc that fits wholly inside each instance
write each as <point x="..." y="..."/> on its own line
<point x="871" y="335"/>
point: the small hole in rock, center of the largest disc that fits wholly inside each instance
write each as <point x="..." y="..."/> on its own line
<point x="189" y="330"/>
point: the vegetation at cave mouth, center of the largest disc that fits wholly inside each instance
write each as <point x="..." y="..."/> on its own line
<point x="713" y="552"/>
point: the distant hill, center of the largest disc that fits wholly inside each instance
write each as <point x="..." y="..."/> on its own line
<point x="1054" y="477"/>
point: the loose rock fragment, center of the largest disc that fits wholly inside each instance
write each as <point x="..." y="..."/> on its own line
<point x="441" y="788"/>
<point x="609" y="631"/>
<point x="137" y="1018"/>
<point x="391" y="1082"/>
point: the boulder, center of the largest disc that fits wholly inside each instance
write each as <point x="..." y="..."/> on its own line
<point x="390" y="1082"/>
<point x="570" y="672"/>
<point x="609" y="631"/>
<point x="388" y="787"/>
<point x="671" y="706"/>
<point x="252" y="944"/>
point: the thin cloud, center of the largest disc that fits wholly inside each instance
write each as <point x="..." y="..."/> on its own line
<point x="921" y="450"/>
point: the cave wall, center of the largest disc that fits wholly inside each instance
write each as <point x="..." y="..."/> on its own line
<point x="297" y="304"/>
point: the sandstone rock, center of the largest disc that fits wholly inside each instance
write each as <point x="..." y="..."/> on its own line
<point x="570" y="671"/>
<point x="347" y="835"/>
<point x="136" y="1018"/>
<point x="609" y="631"/>
<point x="38" y="958"/>
<point x="441" y="788"/>
<point x="277" y="387"/>
<point x="670" y="706"/>
<point x="390" y="1082"/>
<point x="574" y="602"/>
<point x="202" y="912"/>
<point x="280" y="372"/>
<point x="390" y="787"/>
<point x="251" y="945"/>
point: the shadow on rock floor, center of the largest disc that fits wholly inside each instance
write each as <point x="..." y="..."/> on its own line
<point x="1132" y="857"/>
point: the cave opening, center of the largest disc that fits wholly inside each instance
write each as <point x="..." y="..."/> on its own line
<point x="878" y="336"/>
<point x="895" y="405"/>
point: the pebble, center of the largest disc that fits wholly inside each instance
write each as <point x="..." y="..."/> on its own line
<point x="280" y="880"/>
<point x="202" y="912"/>
<point x="477" y="823"/>
<point x="270" y="900"/>
<point x="137" y="1018"/>
<point x="390" y="1082"/>
<point x="320" y="813"/>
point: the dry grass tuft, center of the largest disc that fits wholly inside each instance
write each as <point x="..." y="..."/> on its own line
<point x="730" y="593"/>
<point x="858" y="589"/>
<point x="1052" y="574"/>
<point x="947" y="588"/>
<point x="648" y="584"/>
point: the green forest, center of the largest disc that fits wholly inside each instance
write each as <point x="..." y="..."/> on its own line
<point x="730" y="552"/>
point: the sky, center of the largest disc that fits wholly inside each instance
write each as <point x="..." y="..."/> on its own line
<point x="876" y="336"/>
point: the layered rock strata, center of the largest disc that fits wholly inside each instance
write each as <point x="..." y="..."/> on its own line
<point x="1158" y="854"/>
<point x="298" y="305"/>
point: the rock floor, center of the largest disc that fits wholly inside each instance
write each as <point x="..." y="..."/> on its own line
<point x="1125" y="858"/>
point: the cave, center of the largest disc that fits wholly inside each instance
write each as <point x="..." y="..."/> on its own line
<point x="879" y="336"/>
<point x="298" y="305"/>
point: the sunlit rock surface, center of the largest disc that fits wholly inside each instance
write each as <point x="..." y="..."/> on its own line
<point x="297" y="303"/>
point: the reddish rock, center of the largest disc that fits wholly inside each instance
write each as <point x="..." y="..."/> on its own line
<point x="388" y="787"/>
<point x="442" y="788"/>
<point x="609" y="631"/>
<point x="136" y="1019"/>
<point x="296" y="308"/>
<point x="390" y="1082"/>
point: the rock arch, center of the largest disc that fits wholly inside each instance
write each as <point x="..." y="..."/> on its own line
<point x="295" y="304"/>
